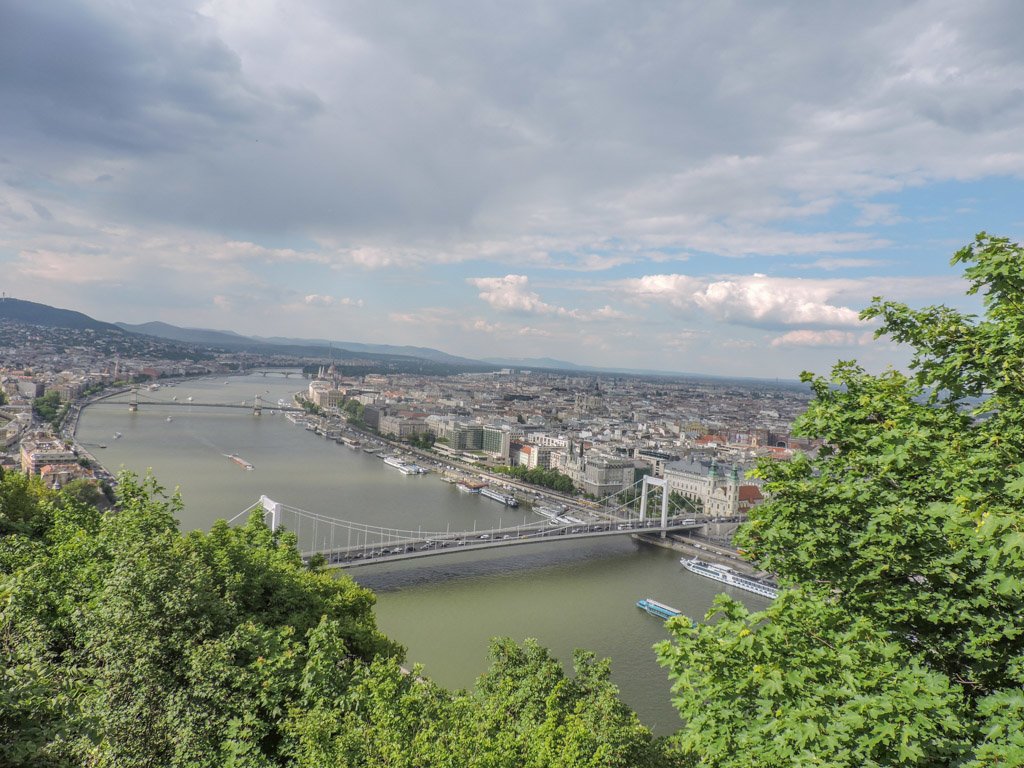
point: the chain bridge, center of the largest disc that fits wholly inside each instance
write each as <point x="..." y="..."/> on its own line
<point x="135" y="398"/>
<point x="346" y="544"/>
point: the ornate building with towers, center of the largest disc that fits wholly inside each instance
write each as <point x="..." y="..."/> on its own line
<point x="716" y="490"/>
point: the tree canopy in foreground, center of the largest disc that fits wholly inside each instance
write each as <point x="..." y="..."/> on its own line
<point x="125" y="643"/>
<point x="900" y="640"/>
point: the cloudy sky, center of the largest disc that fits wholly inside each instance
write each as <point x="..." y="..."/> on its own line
<point x="687" y="186"/>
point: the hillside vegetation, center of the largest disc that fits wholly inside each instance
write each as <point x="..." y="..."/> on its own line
<point x="34" y="313"/>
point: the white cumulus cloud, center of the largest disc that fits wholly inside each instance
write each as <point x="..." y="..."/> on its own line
<point x="828" y="338"/>
<point x="677" y="290"/>
<point x="319" y="301"/>
<point x="761" y="300"/>
<point x="512" y="293"/>
<point x="756" y="299"/>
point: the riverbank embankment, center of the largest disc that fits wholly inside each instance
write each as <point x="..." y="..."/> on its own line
<point x="704" y="550"/>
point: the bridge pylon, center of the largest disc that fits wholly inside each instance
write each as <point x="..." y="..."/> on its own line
<point x="271" y="509"/>
<point x="257" y="409"/>
<point x="133" y="400"/>
<point x="658" y="482"/>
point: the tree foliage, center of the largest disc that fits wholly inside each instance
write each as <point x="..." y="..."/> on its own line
<point x="353" y="410"/>
<point x="49" y="408"/>
<point x="546" y="478"/>
<point x="422" y="440"/>
<point x="901" y="640"/>
<point x="125" y="643"/>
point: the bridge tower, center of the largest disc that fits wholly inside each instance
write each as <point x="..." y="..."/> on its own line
<point x="133" y="400"/>
<point x="257" y="409"/>
<point x="657" y="482"/>
<point x="272" y="509"/>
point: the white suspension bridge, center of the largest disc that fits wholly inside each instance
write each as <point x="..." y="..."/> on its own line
<point x="347" y="544"/>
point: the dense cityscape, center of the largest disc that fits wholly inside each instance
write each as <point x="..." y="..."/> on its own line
<point x="602" y="432"/>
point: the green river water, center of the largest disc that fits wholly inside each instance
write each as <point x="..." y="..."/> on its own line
<point x="443" y="609"/>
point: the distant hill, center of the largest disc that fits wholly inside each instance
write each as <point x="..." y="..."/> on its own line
<point x="343" y="349"/>
<point x="189" y="335"/>
<point x="537" y="362"/>
<point x="51" y="317"/>
<point x="413" y="359"/>
<point x="423" y="353"/>
<point x="551" y="364"/>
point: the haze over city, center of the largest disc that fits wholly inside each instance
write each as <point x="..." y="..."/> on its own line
<point x="674" y="186"/>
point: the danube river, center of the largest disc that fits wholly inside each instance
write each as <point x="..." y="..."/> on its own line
<point x="443" y="609"/>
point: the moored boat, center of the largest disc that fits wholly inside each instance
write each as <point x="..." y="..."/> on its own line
<point x="507" y="499"/>
<point x="405" y="467"/>
<point x="727" y="575"/>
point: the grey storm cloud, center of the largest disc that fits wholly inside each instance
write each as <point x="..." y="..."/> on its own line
<point x="91" y="76"/>
<point x="392" y="124"/>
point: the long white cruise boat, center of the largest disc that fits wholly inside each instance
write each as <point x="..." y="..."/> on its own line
<point x="405" y="467"/>
<point x="507" y="499"/>
<point x="727" y="575"/>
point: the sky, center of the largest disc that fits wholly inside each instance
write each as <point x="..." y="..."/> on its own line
<point x="681" y="186"/>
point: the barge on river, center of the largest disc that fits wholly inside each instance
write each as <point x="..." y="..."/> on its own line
<point x="240" y="461"/>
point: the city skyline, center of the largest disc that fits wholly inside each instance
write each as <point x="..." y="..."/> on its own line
<point x="674" y="187"/>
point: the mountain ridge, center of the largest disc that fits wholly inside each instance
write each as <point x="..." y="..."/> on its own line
<point x="188" y="335"/>
<point x="34" y="313"/>
<point x="416" y="357"/>
<point x="407" y="350"/>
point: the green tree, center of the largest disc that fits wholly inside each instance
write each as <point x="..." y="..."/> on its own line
<point x="87" y="491"/>
<point x="125" y="643"/>
<point x="534" y="715"/>
<point x="176" y="635"/>
<point x="679" y="504"/>
<point x="48" y="408"/>
<point x="310" y="407"/>
<point x="803" y="683"/>
<point x="525" y="711"/>
<point x="547" y="478"/>
<point x="354" y="411"/>
<point x="903" y="544"/>
<point x="21" y="505"/>
<point x="423" y="440"/>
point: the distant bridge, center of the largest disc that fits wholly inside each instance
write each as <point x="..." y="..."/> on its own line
<point x="246" y="404"/>
<point x="276" y="372"/>
<point x="345" y="544"/>
<point x="256" y="404"/>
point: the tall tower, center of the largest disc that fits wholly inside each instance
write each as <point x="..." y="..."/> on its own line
<point x="732" y="491"/>
<point x="711" y="485"/>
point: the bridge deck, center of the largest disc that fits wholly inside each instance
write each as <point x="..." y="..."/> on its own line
<point x="183" y="404"/>
<point x="353" y="557"/>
